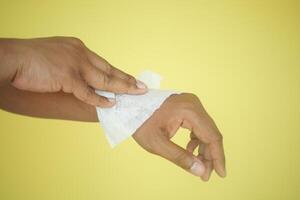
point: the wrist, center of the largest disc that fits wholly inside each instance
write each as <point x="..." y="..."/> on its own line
<point x="10" y="59"/>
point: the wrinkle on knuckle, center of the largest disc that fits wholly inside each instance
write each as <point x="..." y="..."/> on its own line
<point x="86" y="70"/>
<point x="130" y="79"/>
<point x="106" y="80"/>
<point x="56" y="86"/>
<point x="217" y="138"/>
<point x="71" y="83"/>
<point x="86" y="95"/>
<point x="108" y="68"/>
<point x="100" y="78"/>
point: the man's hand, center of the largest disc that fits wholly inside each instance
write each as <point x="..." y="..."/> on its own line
<point x="63" y="64"/>
<point x="184" y="110"/>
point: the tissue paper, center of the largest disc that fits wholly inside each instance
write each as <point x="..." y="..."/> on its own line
<point x="131" y="111"/>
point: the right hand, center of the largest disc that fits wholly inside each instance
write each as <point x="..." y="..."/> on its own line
<point x="184" y="110"/>
<point x="64" y="64"/>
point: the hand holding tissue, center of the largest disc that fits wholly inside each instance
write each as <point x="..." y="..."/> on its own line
<point x="131" y="111"/>
<point x="154" y="118"/>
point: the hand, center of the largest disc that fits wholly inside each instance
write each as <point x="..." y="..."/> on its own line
<point x="184" y="110"/>
<point x="64" y="64"/>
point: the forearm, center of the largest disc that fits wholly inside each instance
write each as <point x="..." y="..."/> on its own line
<point x="46" y="105"/>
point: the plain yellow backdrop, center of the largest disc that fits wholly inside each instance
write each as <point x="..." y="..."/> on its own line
<point x="242" y="58"/>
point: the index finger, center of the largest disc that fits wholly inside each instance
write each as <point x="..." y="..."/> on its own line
<point x="218" y="157"/>
<point x="205" y="129"/>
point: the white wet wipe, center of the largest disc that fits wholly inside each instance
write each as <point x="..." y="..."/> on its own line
<point x="131" y="111"/>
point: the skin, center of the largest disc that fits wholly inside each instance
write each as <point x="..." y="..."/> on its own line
<point x="62" y="64"/>
<point x="186" y="111"/>
<point x="20" y="95"/>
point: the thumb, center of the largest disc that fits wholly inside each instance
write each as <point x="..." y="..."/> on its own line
<point x="181" y="157"/>
<point x="88" y="95"/>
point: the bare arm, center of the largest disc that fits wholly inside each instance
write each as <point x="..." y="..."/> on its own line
<point x="62" y="64"/>
<point x="184" y="110"/>
<point x="57" y="105"/>
<point x="56" y="77"/>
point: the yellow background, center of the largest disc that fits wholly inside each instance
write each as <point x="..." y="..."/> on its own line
<point x="242" y="58"/>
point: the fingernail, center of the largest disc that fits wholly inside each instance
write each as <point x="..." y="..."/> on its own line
<point x="112" y="100"/>
<point x="140" y="85"/>
<point x="197" y="169"/>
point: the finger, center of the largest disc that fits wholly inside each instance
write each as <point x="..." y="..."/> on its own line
<point x="181" y="157"/>
<point x="217" y="155"/>
<point x="206" y="131"/>
<point x="204" y="155"/>
<point x="209" y="167"/>
<point x="86" y="94"/>
<point x="192" y="145"/>
<point x="105" y="66"/>
<point x="98" y="79"/>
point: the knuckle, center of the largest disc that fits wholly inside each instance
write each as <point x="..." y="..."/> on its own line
<point x="130" y="79"/>
<point x="151" y="143"/>
<point x="218" y="137"/>
<point x="107" y="67"/>
<point x="191" y="95"/>
<point x="188" y="112"/>
<point x="86" y="95"/>
<point x="192" y="100"/>
<point x="66" y="73"/>
<point x="67" y="88"/>
<point x="105" y="78"/>
<point x="127" y="85"/>
<point x="67" y="85"/>
<point x="86" y="70"/>
<point x="75" y="41"/>
<point x="66" y="77"/>
<point x="187" y="105"/>
<point x="151" y="150"/>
